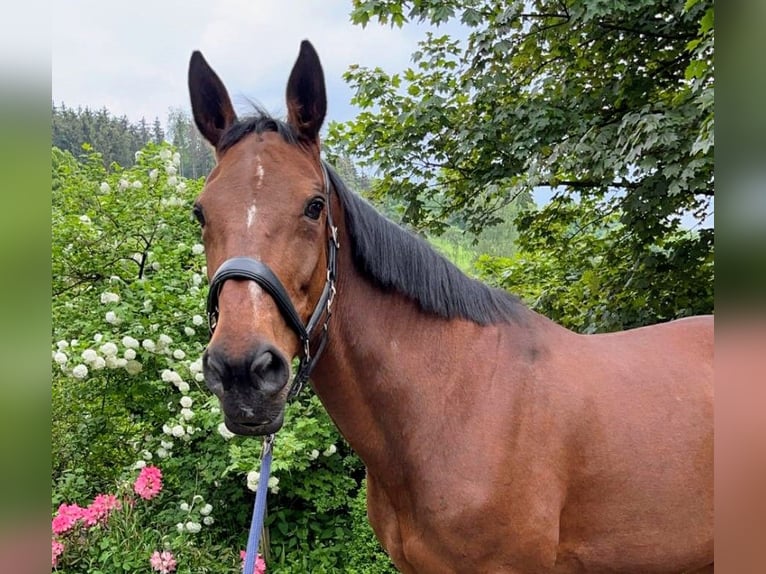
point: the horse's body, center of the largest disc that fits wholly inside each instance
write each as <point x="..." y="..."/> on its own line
<point x="560" y="452"/>
<point x="556" y="452"/>
<point x="494" y="439"/>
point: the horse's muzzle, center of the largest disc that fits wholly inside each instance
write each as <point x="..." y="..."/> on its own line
<point x="252" y="388"/>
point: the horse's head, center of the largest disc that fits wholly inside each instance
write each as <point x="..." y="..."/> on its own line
<point x="266" y="201"/>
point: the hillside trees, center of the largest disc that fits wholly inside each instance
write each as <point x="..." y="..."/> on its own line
<point x="610" y="104"/>
<point x="115" y="138"/>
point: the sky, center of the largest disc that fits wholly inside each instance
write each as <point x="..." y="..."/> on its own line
<point x="132" y="57"/>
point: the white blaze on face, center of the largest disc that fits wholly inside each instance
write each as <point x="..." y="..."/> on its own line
<point x="258" y="172"/>
<point x="256" y="297"/>
<point x="253" y="210"/>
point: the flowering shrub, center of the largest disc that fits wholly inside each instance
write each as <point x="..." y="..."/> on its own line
<point x="260" y="563"/>
<point x="77" y="531"/>
<point x="149" y="482"/>
<point x="163" y="562"/>
<point x="129" y="397"/>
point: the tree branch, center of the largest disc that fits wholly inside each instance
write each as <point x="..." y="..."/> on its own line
<point x="651" y="34"/>
<point x="585" y="184"/>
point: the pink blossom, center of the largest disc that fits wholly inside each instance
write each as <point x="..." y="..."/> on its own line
<point x="149" y="482"/>
<point x="100" y="508"/>
<point x="260" y="563"/>
<point x="163" y="562"/>
<point x="56" y="549"/>
<point x="66" y="517"/>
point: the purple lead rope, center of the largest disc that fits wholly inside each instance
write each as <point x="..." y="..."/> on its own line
<point x="259" y="507"/>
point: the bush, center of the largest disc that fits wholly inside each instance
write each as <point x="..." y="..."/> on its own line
<point x="128" y="334"/>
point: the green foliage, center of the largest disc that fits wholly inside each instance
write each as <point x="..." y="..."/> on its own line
<point x="608" y="101"/>
<point x="366" y="555"/>
<point x="582" y="272"/>
<point x="128" y="332"/>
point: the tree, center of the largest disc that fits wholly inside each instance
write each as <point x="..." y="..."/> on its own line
<point x="158" y="134"/>
<point x="196" y="155"/>
<point x="116" y="139"/>
<point x="608" y="102"/>
<point x="576" y="273"/>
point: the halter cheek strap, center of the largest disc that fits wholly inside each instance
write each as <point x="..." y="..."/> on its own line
<point x="255" y="270"/>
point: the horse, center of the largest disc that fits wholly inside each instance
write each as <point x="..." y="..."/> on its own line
<point x="494" y="439"/>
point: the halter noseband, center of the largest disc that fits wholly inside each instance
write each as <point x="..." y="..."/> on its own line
<point x="254" y="270"/>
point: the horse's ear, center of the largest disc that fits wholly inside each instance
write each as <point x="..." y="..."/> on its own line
<point x="211" y="105"/>
<point x="306" y="97"/>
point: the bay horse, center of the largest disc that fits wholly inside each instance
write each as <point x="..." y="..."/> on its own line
<point x="494" y="439"/>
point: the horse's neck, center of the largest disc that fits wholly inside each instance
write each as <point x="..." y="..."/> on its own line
<point x="390" y="378"/>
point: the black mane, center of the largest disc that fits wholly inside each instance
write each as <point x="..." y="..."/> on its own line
<point x="257" y="123"/>
<point x="396" y="259"/>
<point x="393" y="258"/>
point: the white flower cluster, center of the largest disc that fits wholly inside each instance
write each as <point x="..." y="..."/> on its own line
<point x="196" y="370"/>
<point x="171" y="166"/>
<point x="254" y="477"/>
<point x="173" y="201"/>
<point x="165" y="448"/>
<point x="179" y="431"/>
<point x="330" y="450"/>
<point x="171" y="376"/>
<point x="107" y="297"/>
<point x="202" y="514"/>
<point x="252" y="480"/>
<point x="190" y="526"/>
<point x="106" y="356"/>
<point x="180" y="427"/>
<point x="225" y="432"/>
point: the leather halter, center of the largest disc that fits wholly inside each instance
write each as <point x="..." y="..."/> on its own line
<point x="254" y="270"/>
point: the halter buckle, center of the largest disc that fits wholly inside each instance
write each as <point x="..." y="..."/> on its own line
<point x="334" y="233"/>
<point x="331" y="298"/>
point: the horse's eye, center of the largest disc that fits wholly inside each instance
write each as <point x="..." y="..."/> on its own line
<point x="314" y="208"/>
<point x="197" y="211"/>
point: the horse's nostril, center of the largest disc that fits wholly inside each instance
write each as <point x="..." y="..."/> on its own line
<point x="269" y="369"/>
<point x="262" y="364"/>
<point x="263" y="369"/>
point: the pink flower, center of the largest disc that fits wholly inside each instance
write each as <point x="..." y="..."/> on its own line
<point x="260" y="563"/>
<point x="100" y="508"/>
<point x="66" y="517"/>
<point x="56" y="549"/>
<point x="163" y="562"/>
<point x="149" y="482"/>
